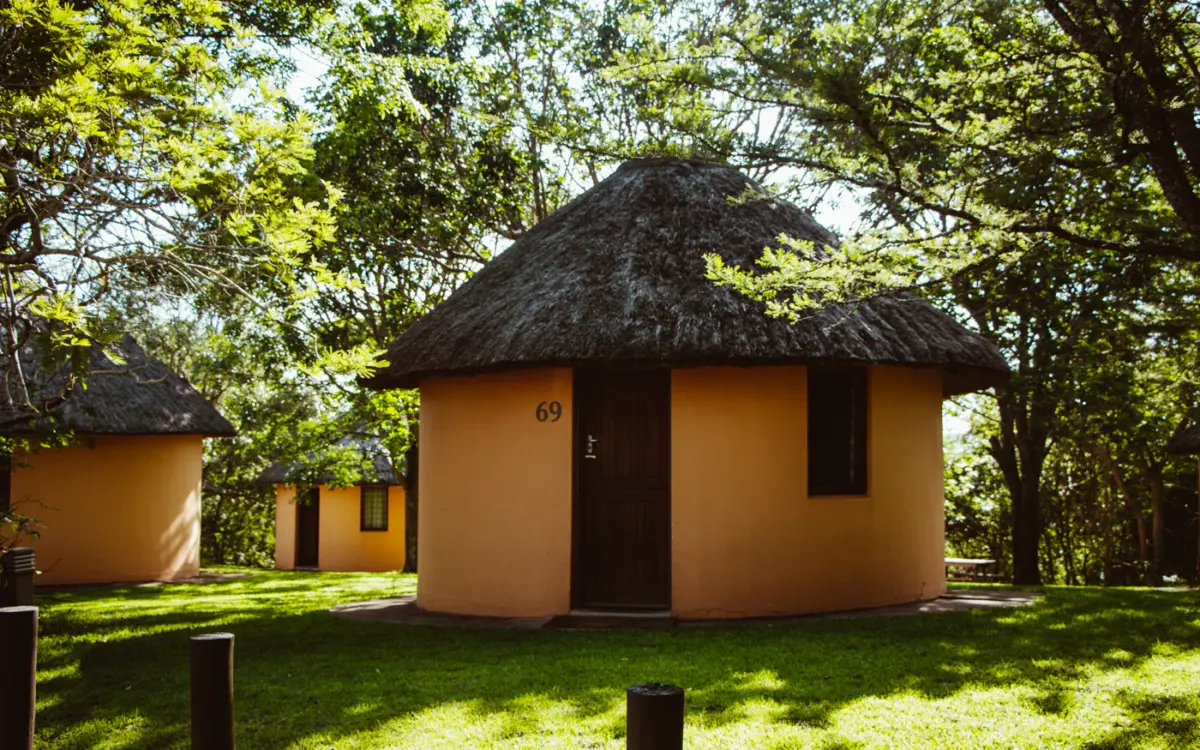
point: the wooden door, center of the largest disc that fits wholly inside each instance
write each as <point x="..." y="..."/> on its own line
<point x="623" y="498"/>
<point x="308" y="528"/>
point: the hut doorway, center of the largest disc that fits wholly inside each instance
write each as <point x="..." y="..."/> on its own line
<point x="622" y="519"/>
<point x="308" y="526"/>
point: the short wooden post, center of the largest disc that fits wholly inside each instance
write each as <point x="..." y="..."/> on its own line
<point x="18" y="676"/>
<point x="212" y="691"/>
<point x="654" y="717"/>
<point x="19" y="569"/>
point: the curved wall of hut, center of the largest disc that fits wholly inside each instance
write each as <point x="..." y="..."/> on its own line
<point x="494" y="532"/>
<point x="342" y="545"/>
<point x="125" y="509"/>
<point x="747" y="540"/>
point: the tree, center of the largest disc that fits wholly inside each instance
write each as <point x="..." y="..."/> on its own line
<point x="975" y="128"/>
<point x="427" y="178"/>
<point x="1148" y="53"/>
<point x="148" y="171"/>
<point x="997" y="152"/>
<point x="146" y="150"/>
<point x="977" y="501"/>
<point x="280" y="412"/>
<point x="138" y="141"/>
<point x="430" y="177"/>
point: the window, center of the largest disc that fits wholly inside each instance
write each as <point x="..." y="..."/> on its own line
<point x="837" y="431"/>
<point x="374" y="508"/>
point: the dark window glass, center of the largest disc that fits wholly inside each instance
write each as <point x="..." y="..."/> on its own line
<point x="837" y="431"/>
<point x="374" y="508"/>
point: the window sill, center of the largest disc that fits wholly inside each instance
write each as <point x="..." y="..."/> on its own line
<point x="819" y="498"/>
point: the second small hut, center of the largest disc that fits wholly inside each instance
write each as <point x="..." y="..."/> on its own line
<point x="322" y="526"/>
<point x="604" y="428"/>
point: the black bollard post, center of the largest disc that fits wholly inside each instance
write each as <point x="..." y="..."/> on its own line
<point x="212" y="691"/>
<point x="19" y="569"/>
<point x="18" y="676"/>
<point x="654" y="717"/>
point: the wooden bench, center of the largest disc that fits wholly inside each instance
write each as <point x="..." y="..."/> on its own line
<point x="970" y="569"/>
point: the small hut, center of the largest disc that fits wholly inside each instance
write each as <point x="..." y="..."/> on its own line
<point x="603" y="428"/>
<point x="319" y="526"/>
<point x="123" y="502"/>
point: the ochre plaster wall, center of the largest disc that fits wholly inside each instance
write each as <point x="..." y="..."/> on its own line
<point x="342" y="545"/>
<point x="495" y="489"/>
<point x="748" y="541"/>
<point x="126" y="510"/>
<point x="285" y="527"/>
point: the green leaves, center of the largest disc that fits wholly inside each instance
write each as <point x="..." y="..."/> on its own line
<point x="146" y="152"/>
<point x="1024" y="164"/>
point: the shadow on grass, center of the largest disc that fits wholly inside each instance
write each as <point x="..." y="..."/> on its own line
<point x="1154" y="718"/>
<point x="303" y="675"/>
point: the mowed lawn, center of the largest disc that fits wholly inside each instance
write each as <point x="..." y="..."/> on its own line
<point x="1083" y="668"/>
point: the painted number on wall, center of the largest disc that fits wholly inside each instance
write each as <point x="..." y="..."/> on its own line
<point x="549" y="411"/>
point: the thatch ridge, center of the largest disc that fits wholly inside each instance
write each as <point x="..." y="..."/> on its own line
<point x="617" y="278"/>
<point x="142" y="396"/>
<point x="380" y="470"/>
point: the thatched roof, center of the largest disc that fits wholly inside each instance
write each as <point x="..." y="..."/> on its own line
<point x="617" y="278"/>
<point x="378" y="470"/>
<point x="1185" y="440"/>
<point x="142" y="396"/>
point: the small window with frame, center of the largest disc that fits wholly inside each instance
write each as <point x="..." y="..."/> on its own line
<point x="374" y="509"/>
<point x="837" y="431"/>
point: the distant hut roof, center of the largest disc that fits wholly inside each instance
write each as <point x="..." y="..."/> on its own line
<point x="617" y="277"/>
<point x="142" y="396"/>
<point x="379" y="469"/>
<point x="1185" y="440"/>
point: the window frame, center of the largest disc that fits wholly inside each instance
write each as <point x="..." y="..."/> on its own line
<point x="362" y="507"/>
<point x="862" y="450"/>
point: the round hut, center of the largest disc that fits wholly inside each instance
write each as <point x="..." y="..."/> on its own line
<point x="603" y="428"/>
<point x="322" y="524"/>
<point x="122" y="501"/>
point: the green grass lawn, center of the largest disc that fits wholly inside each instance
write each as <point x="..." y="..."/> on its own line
<point x="1083" y="668"/>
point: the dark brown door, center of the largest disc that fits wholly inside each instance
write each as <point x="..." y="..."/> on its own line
<point x="308" y="525"/>
<point x="623" y="506"/>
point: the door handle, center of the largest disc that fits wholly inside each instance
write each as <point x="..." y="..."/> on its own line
<point x="590" y="450"/>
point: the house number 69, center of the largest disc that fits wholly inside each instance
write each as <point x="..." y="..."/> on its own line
<point x="549" y="411"/>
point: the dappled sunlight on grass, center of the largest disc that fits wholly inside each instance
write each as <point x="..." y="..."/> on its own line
<point x="1113" y="668"/>
<point x="762" y="680"/>
<point x="531" y="720"/>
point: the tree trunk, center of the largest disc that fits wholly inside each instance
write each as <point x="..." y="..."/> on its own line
<point x="1093" y="514"/>
<point x="1026" y="410"/>
<point x="1066" y="540"/>
<point x="1154" y="475"/>
<point x="1138" y="516"/>
<point x="1022" y="480"/>
<point x="1027" y="530"/>
<point x="1108" y="569"/>
<point x="213" y="529"/>
<point x="411" y="504"/>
